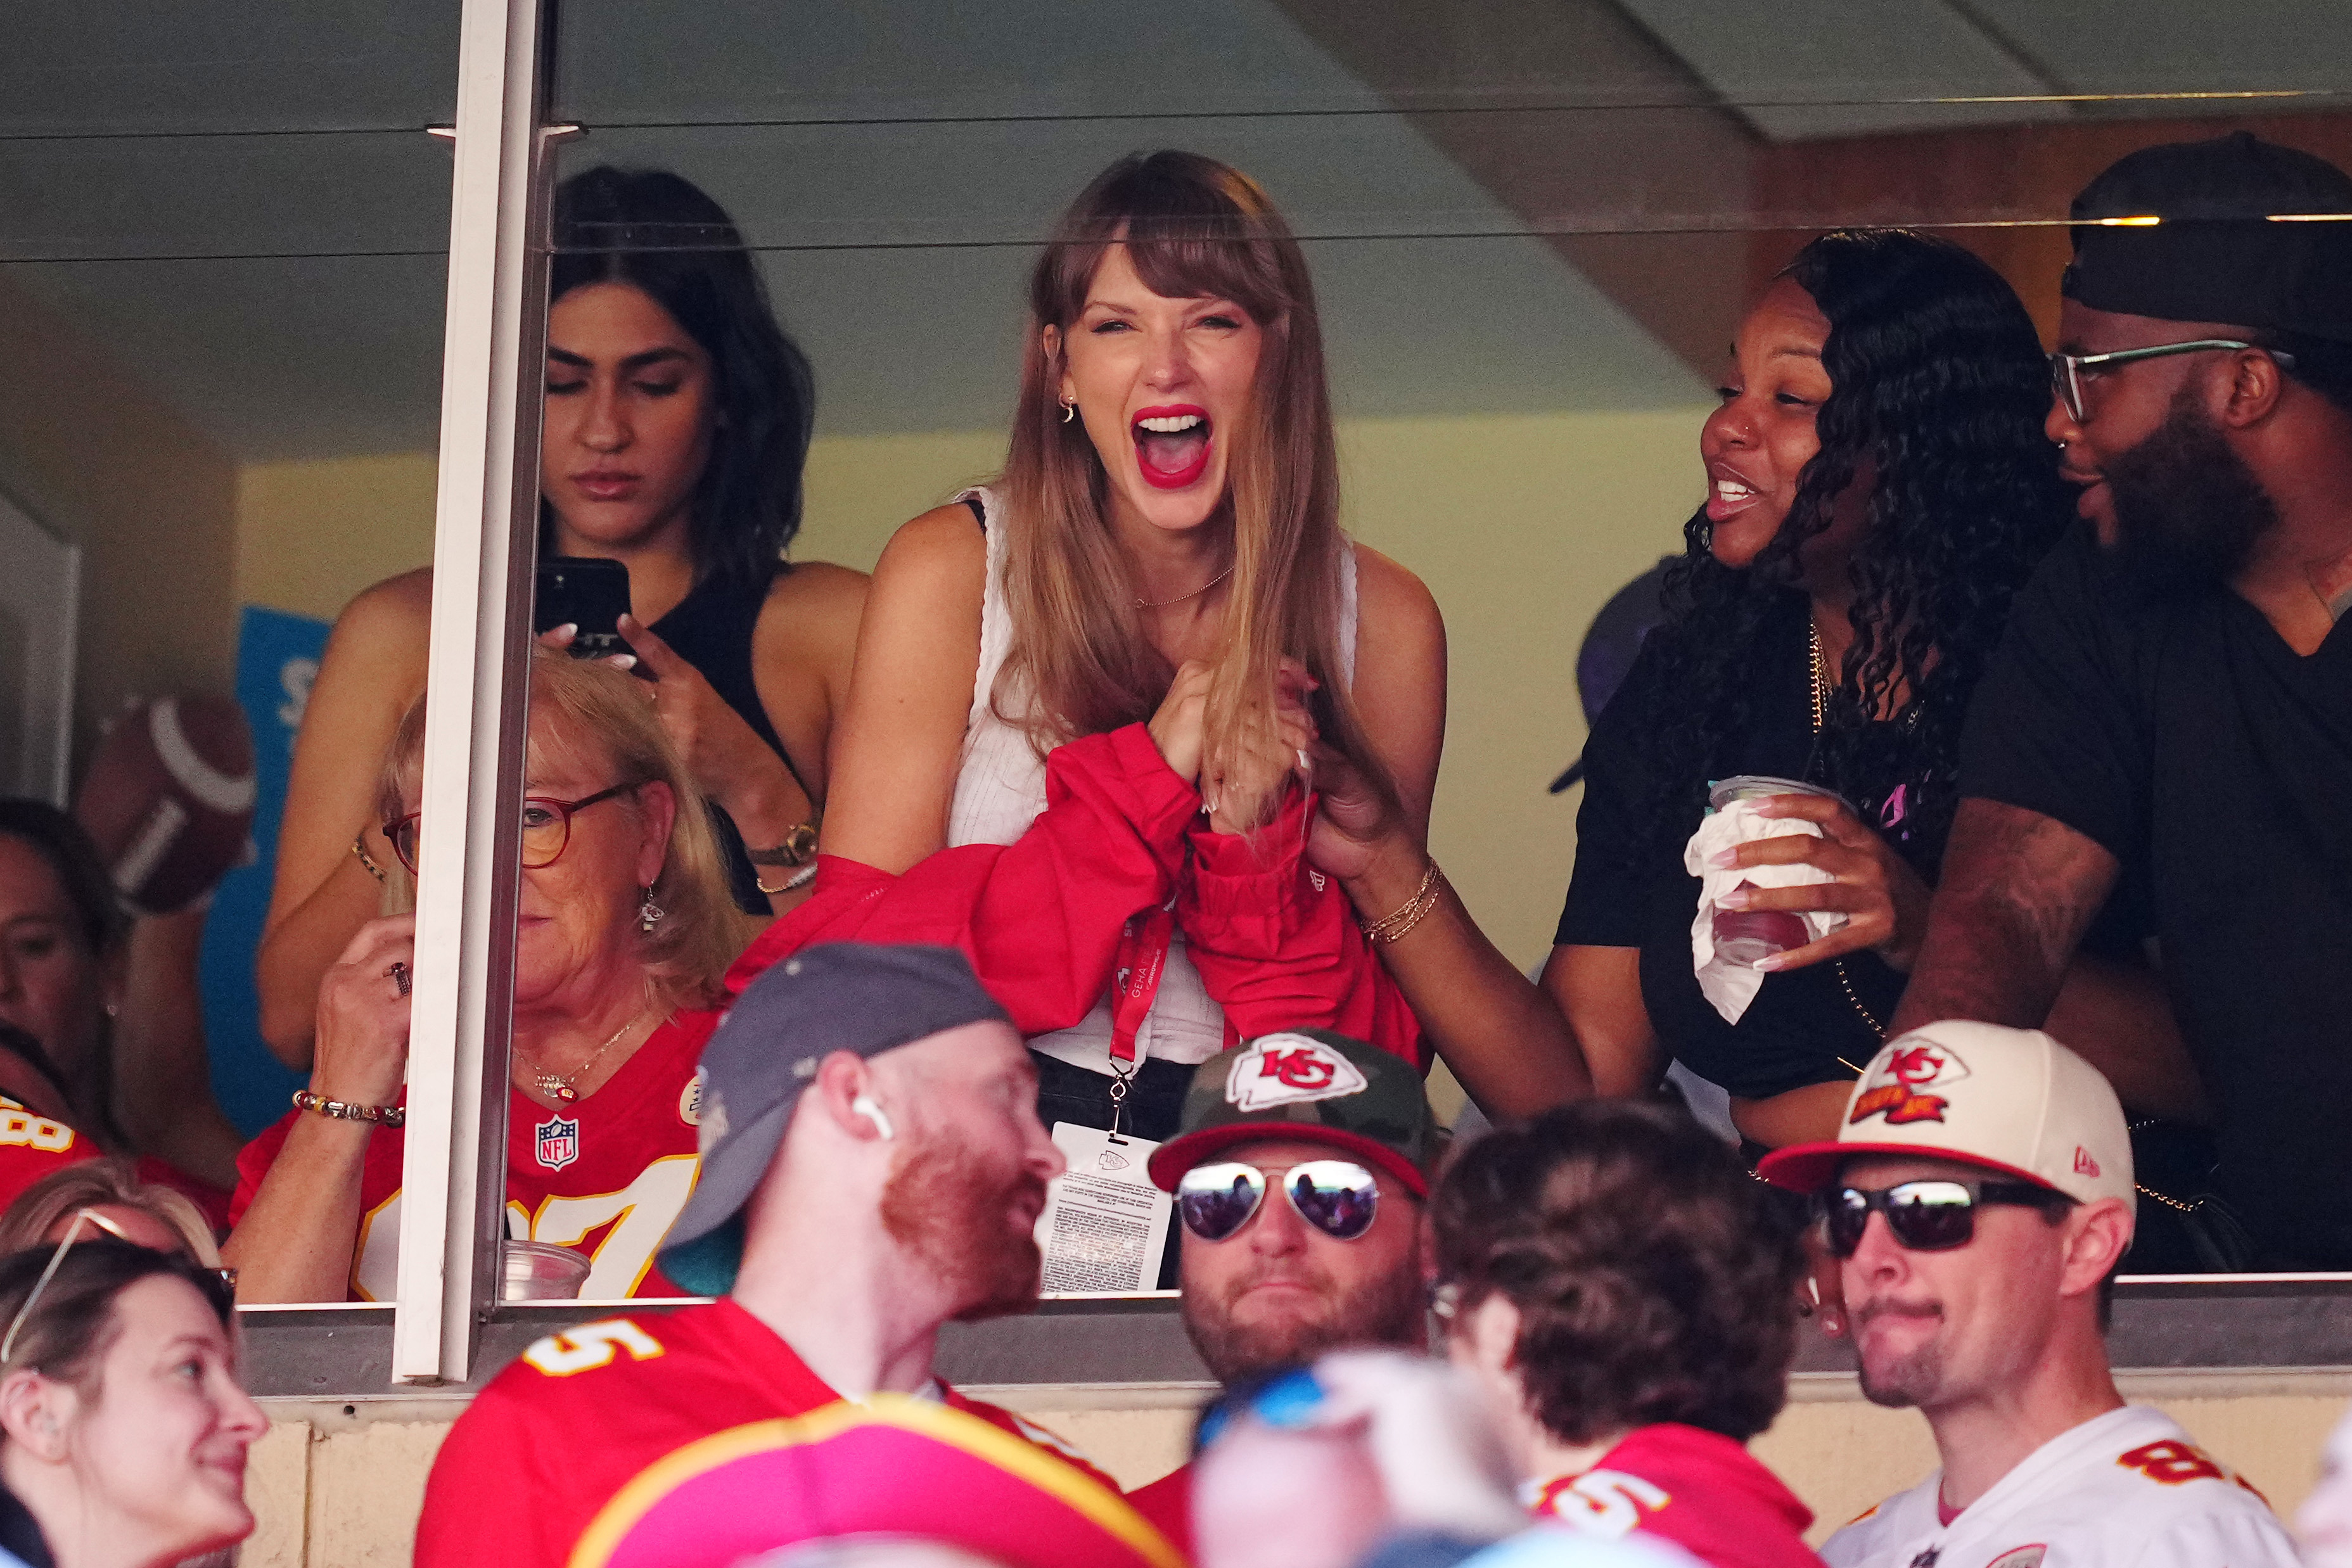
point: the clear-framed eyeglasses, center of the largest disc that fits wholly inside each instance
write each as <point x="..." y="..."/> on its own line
<point x="2068" y="371"/>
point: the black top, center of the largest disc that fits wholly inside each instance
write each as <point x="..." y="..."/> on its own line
<point x="20" y="1534"/>
<point x="711" y="629"/>
<point x="2194" y="745"/>
<point x="1630" y="889"/>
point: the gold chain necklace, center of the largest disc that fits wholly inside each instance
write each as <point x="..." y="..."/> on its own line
<point x="1821" y="690"/>
<point x="559" y="1086"/>
<point x="1143" y="603"/>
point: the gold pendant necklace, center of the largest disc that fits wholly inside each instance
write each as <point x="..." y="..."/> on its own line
<point x="559" y="1086"/>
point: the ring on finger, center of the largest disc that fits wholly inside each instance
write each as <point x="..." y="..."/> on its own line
<point x="401" y="978"/>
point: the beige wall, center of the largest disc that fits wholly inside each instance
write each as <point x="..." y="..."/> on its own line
<point x="100" y="460"/>
<point x="311" y="534"/>
<point x="337" y="1490"/>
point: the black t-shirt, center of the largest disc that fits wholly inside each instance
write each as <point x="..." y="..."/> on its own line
<point x="1630" y="889"/>
<point x="2192" y="744"/>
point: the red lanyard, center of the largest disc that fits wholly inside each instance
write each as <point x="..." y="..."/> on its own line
<point x="1135" y="982"/>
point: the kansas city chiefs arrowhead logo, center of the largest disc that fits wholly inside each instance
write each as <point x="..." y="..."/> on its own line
<point x="1898" y="1084"/>
<point x="1284" y="1069"/>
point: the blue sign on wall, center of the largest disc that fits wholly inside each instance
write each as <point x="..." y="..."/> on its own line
<point x="276" y="659"/>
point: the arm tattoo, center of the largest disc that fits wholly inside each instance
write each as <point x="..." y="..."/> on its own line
<point x="2018" y="892"/>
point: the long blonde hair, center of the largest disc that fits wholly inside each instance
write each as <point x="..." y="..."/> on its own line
<point x="1080" y="663"/>
<point x="590" y="705"/>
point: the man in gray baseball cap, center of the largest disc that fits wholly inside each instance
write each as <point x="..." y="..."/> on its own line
<point x="872" y="1168"/>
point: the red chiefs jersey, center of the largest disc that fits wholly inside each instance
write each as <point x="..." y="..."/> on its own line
<point x="575" y="1453"/>
<point x="31" y="1146"/>
<point x="606" y="1175"/>
<point x="1699" y="1490"/>
<point x="1168" y="1504"/>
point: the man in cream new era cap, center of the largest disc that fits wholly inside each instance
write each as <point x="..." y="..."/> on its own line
<point x="2011" y="1100"/>
<point x="1979" y="1198"/>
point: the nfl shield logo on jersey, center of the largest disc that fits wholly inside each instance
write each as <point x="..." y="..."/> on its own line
<point x="559" y="1142"/>
<point x="2023" y="1557"/>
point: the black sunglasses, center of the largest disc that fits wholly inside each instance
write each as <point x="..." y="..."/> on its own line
<point x="1923" y="1215"/>
<point x="1339" y="1197"/>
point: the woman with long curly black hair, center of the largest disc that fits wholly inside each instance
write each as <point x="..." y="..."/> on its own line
<point x="1880" y="488"/>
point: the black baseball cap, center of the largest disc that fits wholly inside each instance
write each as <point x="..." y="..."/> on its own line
<point x="1313" y="1086"/>
<point x="867" y="998"/>
<point x="2244" y="232"/>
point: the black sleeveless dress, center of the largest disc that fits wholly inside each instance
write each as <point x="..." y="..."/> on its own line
<point x="711" y="629"/>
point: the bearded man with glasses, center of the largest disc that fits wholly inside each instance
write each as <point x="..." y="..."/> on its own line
<point x="2171" y="706"/>
<point x="1300" y="1168"/>
<point x="1979" y="1198"/>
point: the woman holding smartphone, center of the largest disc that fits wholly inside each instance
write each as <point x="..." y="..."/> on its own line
<point x="678" y="420"/>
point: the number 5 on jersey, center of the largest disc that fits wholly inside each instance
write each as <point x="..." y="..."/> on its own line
<point x="590" y="1346"/>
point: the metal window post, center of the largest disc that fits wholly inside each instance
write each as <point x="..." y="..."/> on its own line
<point x="453" y="1180"/>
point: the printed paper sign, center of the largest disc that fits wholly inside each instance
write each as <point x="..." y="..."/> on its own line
<point x="1105" y="1225"/>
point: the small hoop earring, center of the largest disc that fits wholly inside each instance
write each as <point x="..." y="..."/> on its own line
<point x="1069" y="410"/>
<point x="649" y="914"/>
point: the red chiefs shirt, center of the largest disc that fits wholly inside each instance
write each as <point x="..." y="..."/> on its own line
<point x="1699" y="1490"/>
<point x="607" y="1175"/>
<point x="555" y="1438"/>
<point x="31" y="1146"/>
<point x="1168" y="1504"/>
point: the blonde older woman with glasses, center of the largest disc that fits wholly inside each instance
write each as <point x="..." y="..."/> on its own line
<point x="625" y="929"/>
<point x="123" y="1426"/>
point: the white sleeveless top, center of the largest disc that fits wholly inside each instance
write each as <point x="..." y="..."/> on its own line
<point x="1001" y="788"/>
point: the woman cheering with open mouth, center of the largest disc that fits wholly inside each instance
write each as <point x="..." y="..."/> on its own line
<point x="1098" y="684"/>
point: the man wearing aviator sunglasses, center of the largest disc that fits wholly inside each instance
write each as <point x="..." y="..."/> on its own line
<point x="1979" y="1198"/>
<point x="1299" y="1170"/>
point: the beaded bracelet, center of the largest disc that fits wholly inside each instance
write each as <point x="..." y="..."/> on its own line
<point x="344" y="1110"/>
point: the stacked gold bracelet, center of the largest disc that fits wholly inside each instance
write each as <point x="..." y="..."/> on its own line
<point x="345" y="1110"/>
<point x="1424" y="899"/>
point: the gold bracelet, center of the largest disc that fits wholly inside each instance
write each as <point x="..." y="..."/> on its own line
<point x="799" y="879"/>
<point x="1397" y="934"/>
<point x="345" y="1110"/>
<point x="1424" y="899"/>
<point x="358" y="848"/>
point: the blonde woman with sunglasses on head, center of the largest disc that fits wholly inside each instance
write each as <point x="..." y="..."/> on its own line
<point x="623" y="928"/>
<point x="123" y="1427"/>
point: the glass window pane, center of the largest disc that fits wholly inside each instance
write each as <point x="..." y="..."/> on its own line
<point x="223" y="260"/>
<point x="1534" y="228"/>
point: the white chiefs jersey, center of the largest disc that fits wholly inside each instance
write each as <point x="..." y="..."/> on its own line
<point x="2125" y="1488"/>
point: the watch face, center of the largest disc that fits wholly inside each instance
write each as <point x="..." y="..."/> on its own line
<point x="798" y="848"/>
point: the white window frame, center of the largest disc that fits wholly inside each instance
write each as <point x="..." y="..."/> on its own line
<point x="485" y="533"/>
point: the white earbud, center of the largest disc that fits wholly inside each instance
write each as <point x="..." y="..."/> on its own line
<point x="865" y="1106"/>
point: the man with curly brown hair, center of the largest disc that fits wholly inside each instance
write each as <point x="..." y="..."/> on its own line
<point x="1628" y="1293"/>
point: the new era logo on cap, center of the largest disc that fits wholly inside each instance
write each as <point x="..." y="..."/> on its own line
<point x="1287" y="1069"/>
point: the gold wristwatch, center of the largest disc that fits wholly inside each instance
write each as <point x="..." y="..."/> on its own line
<point x="798" y="848"/>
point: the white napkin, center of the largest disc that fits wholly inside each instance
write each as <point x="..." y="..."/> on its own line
<point x="1731" y="986"/>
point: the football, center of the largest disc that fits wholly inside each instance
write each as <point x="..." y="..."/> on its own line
<point x="168" y="797"/>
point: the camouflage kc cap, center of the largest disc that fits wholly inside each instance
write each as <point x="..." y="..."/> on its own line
<point x="1312" y="1087"/>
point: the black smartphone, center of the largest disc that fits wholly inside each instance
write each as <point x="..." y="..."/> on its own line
<point x="589" y="593"/>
